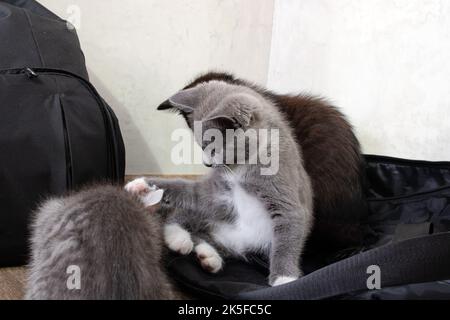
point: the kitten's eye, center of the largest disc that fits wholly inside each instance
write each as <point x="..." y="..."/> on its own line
<point x="236" y="124"/>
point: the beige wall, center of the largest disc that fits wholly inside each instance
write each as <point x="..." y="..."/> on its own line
<point x="140" y="51"/>
<point x="384" y="62"/>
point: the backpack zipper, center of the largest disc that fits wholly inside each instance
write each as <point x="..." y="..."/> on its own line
<point x="112" y="151"/>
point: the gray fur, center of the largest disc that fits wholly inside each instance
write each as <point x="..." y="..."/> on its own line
<point x="200" y="206"/>
<point x="109" y="234"/>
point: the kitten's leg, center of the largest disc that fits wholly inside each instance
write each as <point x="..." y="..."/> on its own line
<point x="209" y="257"/>
<point x="178" y="193"/>
<point x="290" y="230"/>
<point x="182" y="197"/>
<point x="177" y="238"/>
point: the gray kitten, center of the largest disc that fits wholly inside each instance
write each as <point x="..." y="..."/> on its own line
<point x="236" y="209"/>
<point x="100" y="243"/>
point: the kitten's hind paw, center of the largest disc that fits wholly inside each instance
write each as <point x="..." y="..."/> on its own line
<point x="149" y="195"/>
<point x="210" y="259"/>
<point x="138" y="187"/>
<point x="178" y="239"/>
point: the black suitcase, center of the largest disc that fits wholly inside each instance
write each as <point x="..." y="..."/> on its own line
<point x="407" y="236"/>
<point x="56" y="132"/>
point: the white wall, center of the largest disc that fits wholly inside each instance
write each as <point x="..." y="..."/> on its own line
<point x="139" y="52"/>
<point x="386" y="63"/>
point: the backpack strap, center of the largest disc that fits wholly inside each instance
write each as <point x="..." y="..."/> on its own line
<point x="421" y="259"/>
<point x="412" y="230"/>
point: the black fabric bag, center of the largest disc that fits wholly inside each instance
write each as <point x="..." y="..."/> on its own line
<point x="56" y="132"/>
<point x="407" y="236"/>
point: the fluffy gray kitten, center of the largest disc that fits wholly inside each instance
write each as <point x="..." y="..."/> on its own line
<point x="236" y="209"/>
<point x="100" y="243"/>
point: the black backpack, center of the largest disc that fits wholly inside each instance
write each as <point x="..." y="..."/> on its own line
<point x="407" y="237"/>
<point x="56" y="132"/>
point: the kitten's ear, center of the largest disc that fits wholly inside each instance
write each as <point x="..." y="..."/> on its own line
<point x="185" y="101"/>
<point x="224" y="122"/>
<point x="245" y="111"/>
<point x="238" y="113"/>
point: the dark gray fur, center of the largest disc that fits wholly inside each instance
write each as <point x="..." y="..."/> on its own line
<point x="109" y="234"/>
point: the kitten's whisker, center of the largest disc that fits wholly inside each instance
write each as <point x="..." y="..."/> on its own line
<point x="224" y="166"/>
<point x="227" y="169"/>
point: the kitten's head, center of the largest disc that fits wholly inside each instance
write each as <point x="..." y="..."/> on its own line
<point x="215" y="109"/>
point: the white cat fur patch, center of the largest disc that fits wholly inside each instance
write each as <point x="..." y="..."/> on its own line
<point x="252" y="229"/>
<point x="178" y="239"/>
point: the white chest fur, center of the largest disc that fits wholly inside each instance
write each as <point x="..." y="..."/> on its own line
<point x="252" y="229"/>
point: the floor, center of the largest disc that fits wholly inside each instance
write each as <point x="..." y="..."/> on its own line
<point x="12" y="283"/>
<point x="12" y="280"/>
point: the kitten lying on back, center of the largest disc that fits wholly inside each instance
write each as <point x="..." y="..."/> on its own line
<point x="236" y="209"/>
<point x="109" y="236"/>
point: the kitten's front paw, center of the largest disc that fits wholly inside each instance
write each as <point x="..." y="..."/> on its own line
<point x="138" y="187"/>
<point x="210" y="259"/>
<point x="178" y="239"/>
<point x="278" y="281"/>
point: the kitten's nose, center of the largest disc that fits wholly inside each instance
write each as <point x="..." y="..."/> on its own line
<point x="207" y="162"/>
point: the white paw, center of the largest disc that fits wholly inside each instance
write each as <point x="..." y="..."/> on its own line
<point x="138" y="186"/>
<point x="283" y="280"/>
<point x="178" y="239"/>
<point x="149" y="195"/>
<point x="210" y="259"/>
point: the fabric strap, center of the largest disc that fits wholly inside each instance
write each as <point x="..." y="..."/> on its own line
<point x="415" y="260"/>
